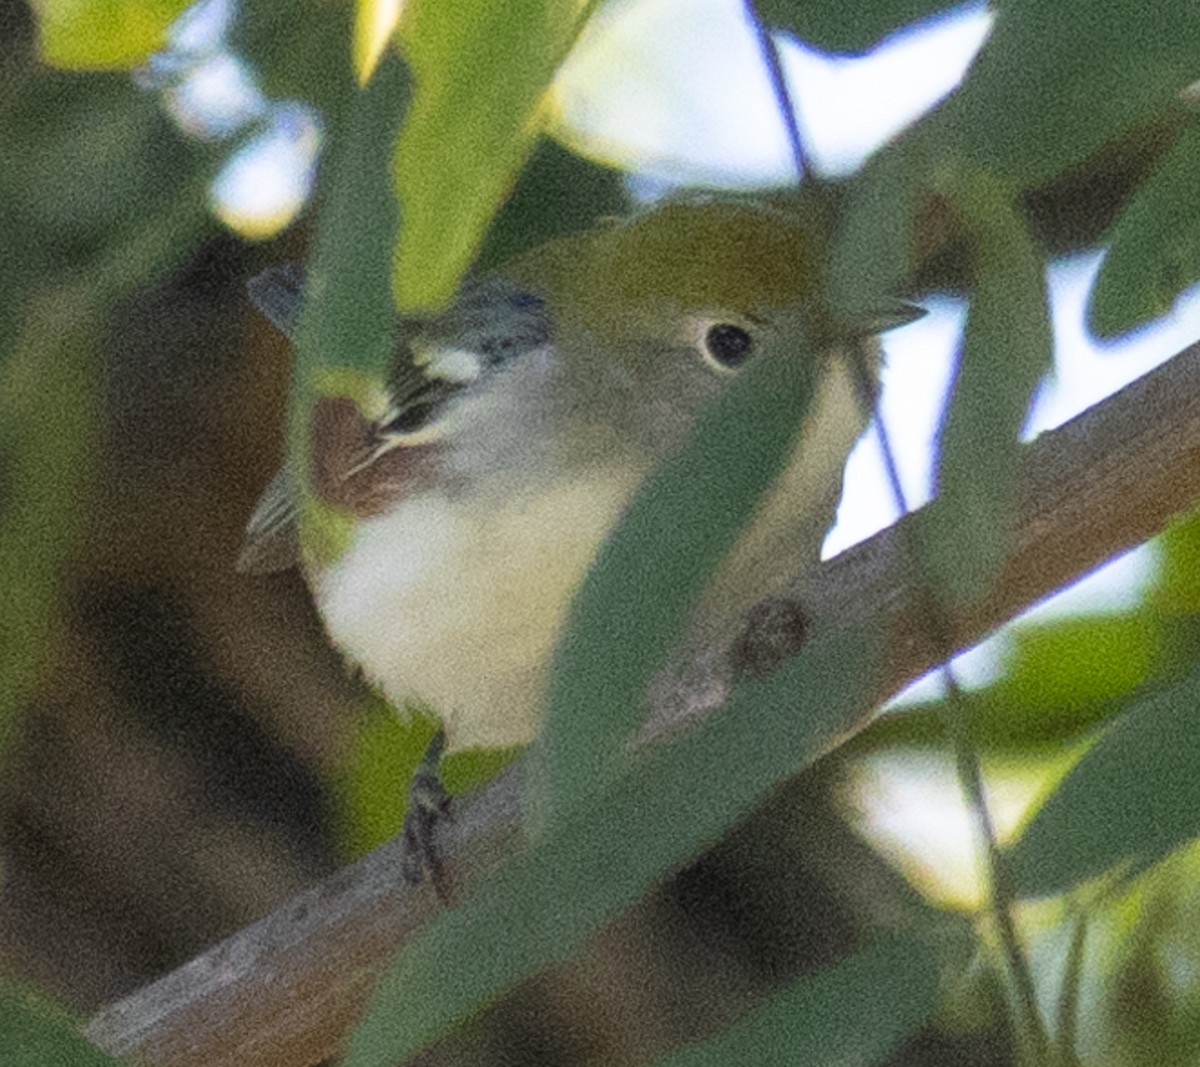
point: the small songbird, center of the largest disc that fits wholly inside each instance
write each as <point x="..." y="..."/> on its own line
<point x="516" y="426"/>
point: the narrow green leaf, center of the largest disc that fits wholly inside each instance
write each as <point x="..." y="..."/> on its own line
<point x="1061" y="669"/>
<point x="103" y="34"/>
<point x="1177" y="591"/>
<point x="606" y="854"/>
<point x="36" y="1033"/>
<point x="44" y="459"/>
<point x="1008" y="348"/>
<point x="840" y="27"/>
<point x="1061" y="679"/>
<point x="1057" y="81"/>
<point x="557" y="194"/>
<point x="1132" y="799"/>
<point x="648" y="578"/>
<point x="370" y="789"/>
<point x="348" y="319"/>
<point x="855" y="1012"/>
<point x="1155" y="244"/>
<point x="873" y="252"/>
<point x="299" y="53"/>
<point x="479" y="70"/>
<point x="345" y="335"/>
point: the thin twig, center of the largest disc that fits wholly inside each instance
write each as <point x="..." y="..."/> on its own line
<point x="783" y="97"/>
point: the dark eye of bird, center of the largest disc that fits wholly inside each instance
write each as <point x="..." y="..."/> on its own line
<point x="729" y="345"/>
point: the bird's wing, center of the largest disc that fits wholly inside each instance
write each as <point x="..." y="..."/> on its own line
<point x="272" y="542"/>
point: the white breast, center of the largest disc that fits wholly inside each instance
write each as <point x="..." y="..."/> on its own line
<point x="456" y="603"/>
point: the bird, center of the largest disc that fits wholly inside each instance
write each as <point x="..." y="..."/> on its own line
<point x="503" y="444"/>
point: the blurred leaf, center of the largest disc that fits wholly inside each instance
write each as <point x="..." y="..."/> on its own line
<point x="47" y="420"/>
<point x="85" y="157"/>
<point x="471" y="768"/>
<point x="853" y="1013"/>
<point x="17" y="274"/>
<point x="348" y="319"/>
<point x="1154" y="249"/>
<point x="1060" y="673"/>
<point x="1177" y="591"/>
<point x="161" y="241"/>
<point x="645" y="583"/>
<point x="1007" y="348"/>
<point x="839" y="27"/>
<point x="345" y="334"/>
<point x="1149" y="1018"/>
<point x="1060" y="679"/>
<point x="557" y="194"/>
<point x="372" y="784"/>
<point x="1056" y="81"/>
<point x="874" y="250"/>
<point x="606" y="854"/>
<point x="480" y="69"/>
<point x="299" y="52"/>
<point x="103" y="34"/>
<point x="1133" y="798"/>
<point x="96" y="158"/>
<point x="374" y="23"/>
<point x="36" y="1033"/>
<point x="79" y="198"/>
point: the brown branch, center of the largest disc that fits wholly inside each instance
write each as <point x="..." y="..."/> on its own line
<point x="288" y="989"/>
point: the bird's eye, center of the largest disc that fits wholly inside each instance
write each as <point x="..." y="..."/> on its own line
<point x="729" y="345"/>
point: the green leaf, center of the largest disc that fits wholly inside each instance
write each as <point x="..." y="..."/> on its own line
<point x="855" y="1012"/>
<point x="1177" y="591"/>
<point x="299" y="52"/>
<point x="1062" y="672"/>
<point x="1132" y="799"/>
<point x="1154" y="251"/>
<point x="103" y="34"/>
<point x="348" y="320"/>
<point x="479" y="70"/>
<point x="605" y="855"/>
<point x="1061" y="679"/>
<point x="471" y="768"/>
<point x="840" y="27"/>
<point x="345" y="334"/>
<point x="1057" y="81"/>
<point x="44" y="460"/>
<point x="86" y="157"/>
<point x="1008" y="347"/>
<point x="36" y="1033"/>
<point x="650" y="574"/>
<point x="371" y="787"/>
<point x="557" y="194"/>
<point x="97" y="161"/>
<point x="873" y="252"/>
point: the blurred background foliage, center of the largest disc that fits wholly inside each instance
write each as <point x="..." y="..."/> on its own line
<point x="182" y="752"/>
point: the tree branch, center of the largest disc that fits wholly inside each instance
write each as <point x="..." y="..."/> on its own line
<point x="289" y="988"/>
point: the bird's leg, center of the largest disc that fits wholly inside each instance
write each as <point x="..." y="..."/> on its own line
<point x="428" y="808"/>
